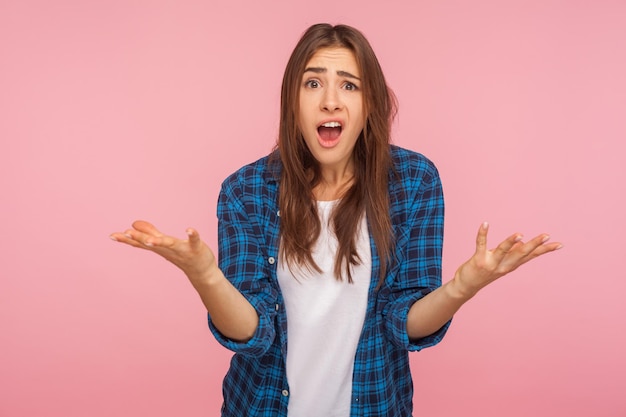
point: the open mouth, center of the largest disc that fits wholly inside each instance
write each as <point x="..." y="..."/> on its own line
<point x="329" y="131"/>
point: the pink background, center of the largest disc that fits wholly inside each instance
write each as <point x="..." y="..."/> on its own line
<point x="116" y="110"/>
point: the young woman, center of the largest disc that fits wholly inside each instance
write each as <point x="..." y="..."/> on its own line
<point x="330" y="249"/>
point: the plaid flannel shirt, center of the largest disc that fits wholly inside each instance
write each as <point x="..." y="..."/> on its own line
<point x="256" y="384"/>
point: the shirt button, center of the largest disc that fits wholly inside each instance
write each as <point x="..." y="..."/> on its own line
<point x="278" y="213"/>
<point x="271" y="260"/>
<point x="285" y="393"/>
<point x="277" y="307"/>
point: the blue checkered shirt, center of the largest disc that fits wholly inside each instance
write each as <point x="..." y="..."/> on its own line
<point x="256" y="384"/>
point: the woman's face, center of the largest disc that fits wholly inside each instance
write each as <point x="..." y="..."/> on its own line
<point x="331" y="115"/>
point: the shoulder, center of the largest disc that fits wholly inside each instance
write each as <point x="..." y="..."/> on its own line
<point x="253" y="187"/>
<point x="415" y="190"/>
<point x="409" y="166"/>
<point x="259" y="173"/>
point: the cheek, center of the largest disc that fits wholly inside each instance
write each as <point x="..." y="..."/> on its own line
<point x="300" y="117"/>
<point x="300" y="123"/>
<point x="305" y="120"/>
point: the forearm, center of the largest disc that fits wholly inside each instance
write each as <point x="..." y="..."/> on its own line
<point x="230" y="311"/>
<point x="434" y="310"/>
<point x="431" y="312"/>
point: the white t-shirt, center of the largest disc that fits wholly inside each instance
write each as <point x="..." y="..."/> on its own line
<point x="324" y="322"/>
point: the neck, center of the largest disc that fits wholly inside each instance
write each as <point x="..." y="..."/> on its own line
<point x="333" y="184"/>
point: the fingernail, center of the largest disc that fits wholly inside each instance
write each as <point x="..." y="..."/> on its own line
<point x="545" y="239"/>
<point x="189" y="232"/>
<point x="485" y="225"/>
<point x="113" y="238"/>
<point x="519" y="237"/>
<point x="559" y="247"/>
<point x="128" y="236"/>
<point x="149" y="244"/>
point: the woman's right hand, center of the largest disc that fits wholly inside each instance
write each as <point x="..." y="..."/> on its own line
<point x="192" y="255"/>
<point x="230" y="311"/>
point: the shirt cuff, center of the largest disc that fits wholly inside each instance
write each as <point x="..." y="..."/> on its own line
<point x="396" y="320"/>
<point x="257" y="345"/>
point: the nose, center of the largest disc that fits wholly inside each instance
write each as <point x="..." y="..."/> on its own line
<point x="331" y="100"/>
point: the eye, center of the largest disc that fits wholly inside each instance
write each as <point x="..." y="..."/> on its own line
<point x="350" y="86"/>
<point x="312" y="84"/>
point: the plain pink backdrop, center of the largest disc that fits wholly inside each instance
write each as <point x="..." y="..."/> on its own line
<point x="116" y="110"/>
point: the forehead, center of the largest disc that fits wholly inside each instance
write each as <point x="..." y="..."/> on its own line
<point x="336" y="58"/>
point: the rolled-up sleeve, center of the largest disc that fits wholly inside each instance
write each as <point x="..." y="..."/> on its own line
<point x="416" y="270"/>
<point x="244" y="260"/>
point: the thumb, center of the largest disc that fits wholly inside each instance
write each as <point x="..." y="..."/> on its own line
<point x="194" y="238"/>
<point x="481" y="238"/>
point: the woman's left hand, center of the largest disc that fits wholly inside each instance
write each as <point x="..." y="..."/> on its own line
<point x="486" y="266"/>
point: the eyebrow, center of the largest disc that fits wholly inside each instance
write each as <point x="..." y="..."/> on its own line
<point x="321" y="70"/>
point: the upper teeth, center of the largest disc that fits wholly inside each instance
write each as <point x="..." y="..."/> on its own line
<point x="332" y="124"/>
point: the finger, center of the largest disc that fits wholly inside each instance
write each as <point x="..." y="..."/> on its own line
<point x="539" y="250"/>
<point x="124" y="238"/>
<point x="161" y="241"/>
<point x="534" y="243"/>
<point x="135" y="235"/>
<point x="194" y="238"/>
<point x="146" y="227"/>
<point x="539" y="246"/>
<point x="507" y="245"/>
<point x="547" y="248"/>
<point x="146" y="240"/>
<point x="481" y="238"/>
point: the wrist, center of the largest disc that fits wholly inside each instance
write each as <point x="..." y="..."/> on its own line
<point x="459" y="289"/>
<point x="207" y="277"/>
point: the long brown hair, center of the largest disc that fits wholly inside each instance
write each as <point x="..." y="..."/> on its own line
<point x="300" y="225"/>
